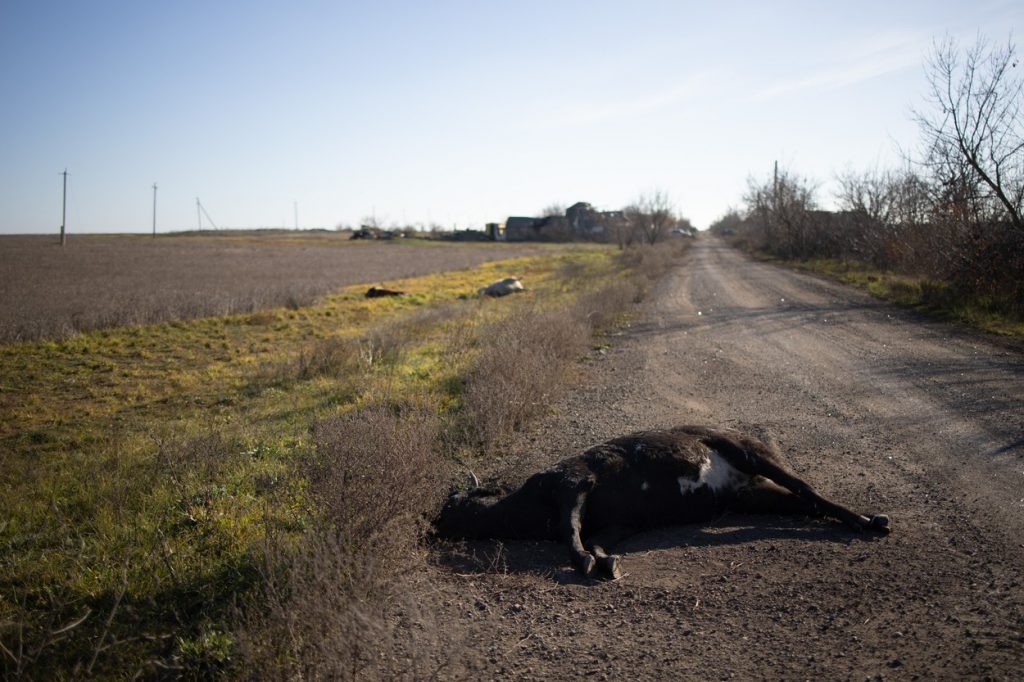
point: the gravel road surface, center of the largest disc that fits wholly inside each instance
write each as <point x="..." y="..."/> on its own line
<point x="878" y="409"/>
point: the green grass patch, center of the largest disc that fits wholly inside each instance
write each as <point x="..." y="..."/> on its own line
<point x="140" y="465"/>
<point x="933" y="297"/>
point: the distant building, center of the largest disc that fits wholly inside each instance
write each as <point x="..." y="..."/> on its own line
<point x="521" y="229"/>
<point x="495" y="232"/>
<point x="581" y="222"/>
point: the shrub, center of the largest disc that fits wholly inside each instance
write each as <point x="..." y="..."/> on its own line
<point x="327" y="357"/>
<point x="647" y="264"/>
<point x="334" y="357"/>
<point x="605" y="307"/>
<point x="375" y="475"/>
<point x="334" y="604"/>
<point x="520" y="365"/>
<point x="324" y="613"/>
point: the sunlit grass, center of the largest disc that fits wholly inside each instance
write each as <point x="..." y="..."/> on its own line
<point x="933" y="297"/>
<point x="139" y="465"/>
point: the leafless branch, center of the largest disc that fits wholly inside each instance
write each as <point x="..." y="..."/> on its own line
<point x="973" y="128"/>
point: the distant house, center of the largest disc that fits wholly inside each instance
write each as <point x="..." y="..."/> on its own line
<point x="585" y="222"/>
<point x="581" y="222"/>
<point x="495" y="231"/>
<point x="522" y="229"/>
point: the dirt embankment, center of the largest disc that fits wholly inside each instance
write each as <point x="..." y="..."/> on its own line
<point x="878" y="409"/>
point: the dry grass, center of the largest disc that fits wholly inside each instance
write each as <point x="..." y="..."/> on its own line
<point x="520" y="366"/>
<point x="651" y="262"/>
<point x="344" y="602"/>
<point x="604" y="308"/>
<point x="523" y="360"/>
<point x="375" y="475"/>
<point x="337" y="604"/>
<point x="342" y="358"/>
<point x="323" y="614"/>
<point x="997" y="313"/>
<point x="148" y="486"/>
<point x="98" y="282"/>
<point x="331" y="357"/>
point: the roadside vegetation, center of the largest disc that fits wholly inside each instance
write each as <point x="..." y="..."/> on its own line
<point x="945" y="233"/>
<point x="933" y="296"/>
<point x="248" y="495"/>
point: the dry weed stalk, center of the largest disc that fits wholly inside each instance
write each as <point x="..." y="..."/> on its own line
<point x="520" y="364"/>
<point x="335" y="604"/>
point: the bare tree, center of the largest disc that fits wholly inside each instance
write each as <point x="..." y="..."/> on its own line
<point x="897" y="197"/>
<point x="372" y="222"/>
<point x="911" y="199"/>
<point x="554" y="210"/>
<point x="871" y="192"/>
<point x="650" y="217"/>
<point x="729" y="224"/>
<point x="974" y="129"/>
<point x="622" y="227"/>
<point x="868" y="204"/>
<point x="780" y="207"/>
<point x="628" y="229"/>
<point x="890" y="212"/>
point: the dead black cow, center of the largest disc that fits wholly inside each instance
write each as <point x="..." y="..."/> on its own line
<point x="645" y="480"/>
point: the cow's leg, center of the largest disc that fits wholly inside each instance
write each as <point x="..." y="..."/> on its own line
<point x="609" y="565"/>
<point x="765" y="497"/>
<point x="571" y="513"/>
<point x="878" y="522"/>
<point x="751" y="462"/>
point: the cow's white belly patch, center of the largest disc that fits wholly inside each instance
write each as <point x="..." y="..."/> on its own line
<point x="715" y="473"/>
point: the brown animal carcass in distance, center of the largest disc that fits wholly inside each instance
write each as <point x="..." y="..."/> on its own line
<point x="381" y="292"/>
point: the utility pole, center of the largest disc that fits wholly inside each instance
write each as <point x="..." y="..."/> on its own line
<point x="64" y="208"/>
<point x="154" y="210"/>
<point x="775" y="187"/>
<point x="295" y="205"/>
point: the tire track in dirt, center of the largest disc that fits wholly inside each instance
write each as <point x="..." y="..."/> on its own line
<point x="876" y="408"/>
<point x="856" y="357"/>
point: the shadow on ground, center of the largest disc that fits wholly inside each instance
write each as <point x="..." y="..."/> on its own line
<point x="551" y="559"/>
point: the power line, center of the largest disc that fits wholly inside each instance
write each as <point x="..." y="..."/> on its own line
<point x="200" y="212"/>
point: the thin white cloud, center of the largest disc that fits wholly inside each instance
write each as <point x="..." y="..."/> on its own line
<point x="876" y="57"/>
<point x="624" y="105"/>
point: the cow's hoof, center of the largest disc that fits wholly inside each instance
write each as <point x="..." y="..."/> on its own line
<point x="613" y="566"/>
<point x="586" y="565"/>
<point x="879" y="522"/>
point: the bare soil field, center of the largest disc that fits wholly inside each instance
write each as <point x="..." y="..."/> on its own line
<point x="875" y="407"/>
<point x="101" y="281"/>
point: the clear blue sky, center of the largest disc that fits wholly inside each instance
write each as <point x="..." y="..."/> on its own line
<point x="452" y="112"/>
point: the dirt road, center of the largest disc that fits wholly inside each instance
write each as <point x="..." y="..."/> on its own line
<point x="876" y="408"/>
